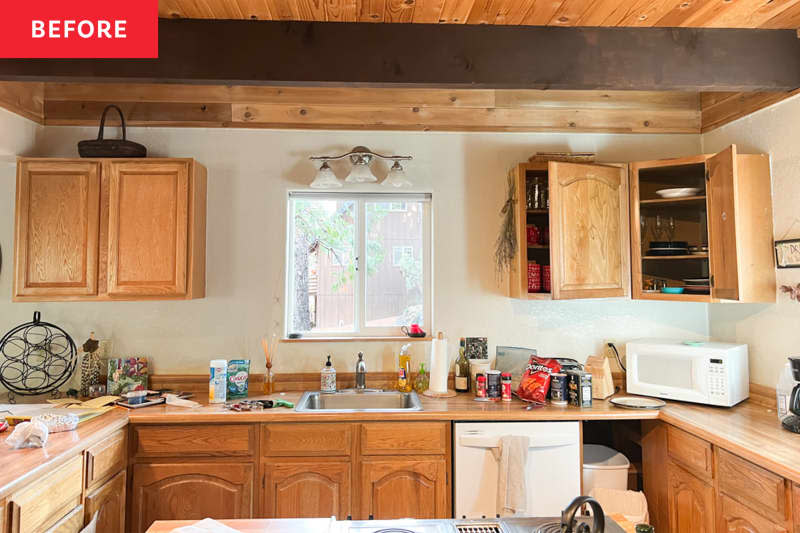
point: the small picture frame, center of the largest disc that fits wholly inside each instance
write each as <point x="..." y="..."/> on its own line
<point x="476" y="348"/>
<point x="787" y="253"/>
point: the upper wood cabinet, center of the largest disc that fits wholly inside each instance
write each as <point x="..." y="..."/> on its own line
<point x="581" y="221"/>
<point x="110" y="229"/>
<point x="57" y="228"/>
<point x="730" y="214"/>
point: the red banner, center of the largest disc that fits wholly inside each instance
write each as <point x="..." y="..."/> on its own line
<point x="79" y="29"/>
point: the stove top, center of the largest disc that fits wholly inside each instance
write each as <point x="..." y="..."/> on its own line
<point x="503" y="525"/>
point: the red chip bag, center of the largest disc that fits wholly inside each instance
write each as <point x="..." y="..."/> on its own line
<point x="536" y="379"/>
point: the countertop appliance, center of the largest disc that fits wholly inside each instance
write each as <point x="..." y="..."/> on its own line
<point x="712" y="373"/>
<point x="554" y="466"/>
<point x="502" y="525"/>
<point x="792" y="422"/>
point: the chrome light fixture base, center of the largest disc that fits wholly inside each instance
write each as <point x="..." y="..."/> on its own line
<point x="361" y="157"/>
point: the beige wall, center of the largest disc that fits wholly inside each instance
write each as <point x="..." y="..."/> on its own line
<point x="250" y="172"/>
<point x="771" y="331"/>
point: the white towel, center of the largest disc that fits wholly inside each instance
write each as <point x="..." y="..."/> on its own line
<point x="512" y="492"/>
<point x="629" y="503"/>
<point x="207" y="525"/>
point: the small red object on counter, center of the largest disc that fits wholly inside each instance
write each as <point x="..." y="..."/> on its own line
<point x="505" y="386"/>
<point x="3" y="426"/>
<point x="480" y="389"/>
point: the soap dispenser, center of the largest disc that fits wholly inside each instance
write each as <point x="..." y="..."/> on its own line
<point x="404" y="370"/>
<point x="327" y="377"/>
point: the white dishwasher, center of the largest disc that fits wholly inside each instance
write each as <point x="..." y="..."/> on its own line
<point x="554" y="466"/>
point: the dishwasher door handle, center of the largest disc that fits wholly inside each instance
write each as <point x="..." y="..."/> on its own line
<point x="542" y="441"/>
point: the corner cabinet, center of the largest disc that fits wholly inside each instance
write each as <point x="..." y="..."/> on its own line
<point x="109" y="229"/>
<point x="726" y="223"/>
<point x="580" y="232"/>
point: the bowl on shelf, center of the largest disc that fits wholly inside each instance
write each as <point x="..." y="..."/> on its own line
<point x="672" y="290"/>
<point x="668" y="244"/>
<point x="681" y="192"/>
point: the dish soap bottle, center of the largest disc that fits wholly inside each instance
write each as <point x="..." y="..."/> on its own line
<point x="327" y="377"/>
<point x="404" y="371"/>
<point x="423" y="381"/>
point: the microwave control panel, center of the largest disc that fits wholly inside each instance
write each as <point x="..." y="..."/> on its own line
<point x="716" y="378"/>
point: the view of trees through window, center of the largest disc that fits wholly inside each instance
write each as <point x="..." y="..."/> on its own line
<point x="326" y="289"/>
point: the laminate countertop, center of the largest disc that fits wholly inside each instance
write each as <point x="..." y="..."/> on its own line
<point x="22" y="466"/>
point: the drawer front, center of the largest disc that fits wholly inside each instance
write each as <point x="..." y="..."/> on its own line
<point x="307" y="439"/>
<point x="759" y="489"/>
<point x="691" y="451"/>
<point x="72" y="523"/>
<point x="106" y="458"/>
<point x="736" y="517"/>
<point x="396" y="438"/>
<point x="45" y="501"/>
<point x="194" y="441"/>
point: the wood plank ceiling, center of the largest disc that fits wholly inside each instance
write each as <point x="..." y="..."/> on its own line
<point x="772" y="14"/>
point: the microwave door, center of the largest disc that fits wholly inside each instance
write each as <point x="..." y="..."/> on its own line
<point x="672" y="376"/>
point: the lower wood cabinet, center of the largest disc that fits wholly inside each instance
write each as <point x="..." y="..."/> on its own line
<point x="691" y="502"/>
<point x="188" y="491"/>
<point x="42" y="504"/>
<point x="297" y="488"/>
<point x="72" y="523"/>
<point x="402" y="487"/>
<point x="109" y="502"/>
<point x="737" y="518"/>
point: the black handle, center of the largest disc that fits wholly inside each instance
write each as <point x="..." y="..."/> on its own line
<point x="37" y="316"/>
<point x="794" y="400"/>
<point x="103" y="121"/>
<point x="370" y="517"/>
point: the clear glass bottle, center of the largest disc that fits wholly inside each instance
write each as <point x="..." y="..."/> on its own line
<point x="327" y="377"/>
<point x="462" y="369"/>
<point x="404" y="369"/>
<point x="422" y="380"/>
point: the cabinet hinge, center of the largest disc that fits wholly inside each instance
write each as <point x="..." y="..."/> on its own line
<point x="708" y="177"/>
<point x="712" y="280"/>
<point x="263" y="481"/>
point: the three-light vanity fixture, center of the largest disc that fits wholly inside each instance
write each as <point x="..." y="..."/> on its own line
<point x="360" y="157"/>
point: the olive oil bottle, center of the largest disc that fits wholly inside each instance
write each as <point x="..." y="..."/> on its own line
<point x="462" y="369"/>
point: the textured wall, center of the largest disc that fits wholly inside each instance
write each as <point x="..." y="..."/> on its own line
<point x="250" y="172"/>
<point x="770" y="330"/>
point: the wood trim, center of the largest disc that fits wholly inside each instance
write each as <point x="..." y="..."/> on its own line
<point x="763" y="396"/>
<point x="720" y="108"/>
<point x="286" y="382"/>
<point x="23" y="98"/>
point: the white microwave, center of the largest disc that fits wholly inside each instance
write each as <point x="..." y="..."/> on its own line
<point x="711" y="373"/>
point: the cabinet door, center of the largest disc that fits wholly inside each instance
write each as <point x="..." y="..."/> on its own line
<point x="57" y="228"/>
<point x="691" y="502"/>
<point x="589" y="239"/>
<point x="306" y="489"/>
<point x="71" y="523"/>
<point x="189" y="491"/>
<point x="736" y="518"/>
<point x="404" y="487"/>
<point x="720" y="196"/>
<point x="148" y="228"/>
<point x="109" y="501"/>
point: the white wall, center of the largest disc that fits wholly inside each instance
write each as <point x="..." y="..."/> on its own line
<point x="250" y="172"/>
<point x="771" y="331"/>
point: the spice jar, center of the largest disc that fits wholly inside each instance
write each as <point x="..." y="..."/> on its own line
<point x="480" y="389"/>
<point x="505" y="390"/>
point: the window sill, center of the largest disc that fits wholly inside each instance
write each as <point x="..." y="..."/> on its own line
<point x="402" y="338"/>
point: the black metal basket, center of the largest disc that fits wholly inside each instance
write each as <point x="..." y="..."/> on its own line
<point x="111" y="147"/>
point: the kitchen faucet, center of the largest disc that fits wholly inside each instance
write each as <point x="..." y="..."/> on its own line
<point x="361" y="372"/>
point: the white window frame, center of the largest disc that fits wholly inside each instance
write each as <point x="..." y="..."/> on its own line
<point x="404" y="250"/>
<point x="359" y="283"/>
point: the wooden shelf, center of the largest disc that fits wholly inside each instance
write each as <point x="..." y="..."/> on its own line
<point x="684" y="297"/>
<point x="540" y="296"/>
<point x="539" y="246"/>
<point x="673" y="257"/>
<point x="537" y="211"/>
<point x="684" y="200"/>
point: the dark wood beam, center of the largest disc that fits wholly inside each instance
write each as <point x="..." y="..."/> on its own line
<point x="423" y="55"/>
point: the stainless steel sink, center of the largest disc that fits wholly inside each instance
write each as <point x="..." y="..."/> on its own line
<point x="352" y="401"/>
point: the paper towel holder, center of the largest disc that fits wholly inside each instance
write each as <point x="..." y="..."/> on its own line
<point x="449" y="393"/>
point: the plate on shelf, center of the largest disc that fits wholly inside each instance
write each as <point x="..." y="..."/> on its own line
<point x="681" y="192"/>
<point x="695" y="281"/>
<point x="633" y="402"/>
<point x="666" y="251"/>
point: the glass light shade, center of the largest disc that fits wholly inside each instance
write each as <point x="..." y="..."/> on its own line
<point x="361" y="173"/>
<point x="325" y="178"/>
<point x="397" y="177"/>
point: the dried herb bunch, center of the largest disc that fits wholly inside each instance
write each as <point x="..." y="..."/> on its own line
<point x="794" y="292"/>
<point x="506" y="245"/>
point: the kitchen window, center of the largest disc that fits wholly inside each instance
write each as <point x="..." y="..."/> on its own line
<point x="358" y="264"/>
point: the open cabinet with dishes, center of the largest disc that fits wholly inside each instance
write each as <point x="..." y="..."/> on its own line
<point x="701" y="228"/>
<point x="572" y="231"/>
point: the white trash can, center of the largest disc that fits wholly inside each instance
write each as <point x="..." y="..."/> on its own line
<point x="604" y="467"/>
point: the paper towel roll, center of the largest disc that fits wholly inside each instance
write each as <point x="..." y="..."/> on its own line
<point x="439" y="367"/>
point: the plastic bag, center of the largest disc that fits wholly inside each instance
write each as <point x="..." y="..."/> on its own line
<point x="31" y="434"/>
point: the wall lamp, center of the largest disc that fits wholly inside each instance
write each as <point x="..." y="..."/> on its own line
<point x="360" y="157"/>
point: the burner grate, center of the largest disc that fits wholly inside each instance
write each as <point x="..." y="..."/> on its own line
<point x="551" y="527"/>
